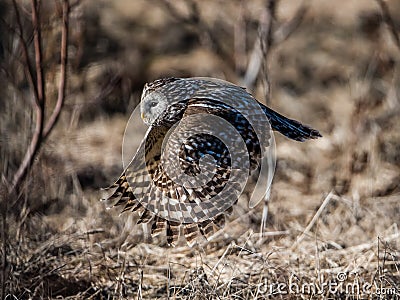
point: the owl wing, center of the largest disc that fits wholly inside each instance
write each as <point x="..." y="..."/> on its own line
<point x="145" y="183"/>
<point x="251" y="125"/>
<point x="241" y="126"/>
<point x="136" y="180"/>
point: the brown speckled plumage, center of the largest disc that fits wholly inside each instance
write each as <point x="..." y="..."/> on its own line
<point x="188" y="97"/>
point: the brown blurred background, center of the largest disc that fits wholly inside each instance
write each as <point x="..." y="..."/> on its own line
<point x="331" y="64"/>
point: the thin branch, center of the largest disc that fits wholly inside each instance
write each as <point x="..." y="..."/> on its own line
<point x="36" y="140"/>
<point x="37" y="40"/>
<point x="74" y="4"/>
<point x="41" y="133"/>
<point x="286" y="29"/>
<point x="258" y="58"/>
<point x="28" y="65"/>
<point x="63" y="70"/>
<point x="253" y="66"/>
<point x="315" y="218"/>
<point x="389" y="21"/>
<point x="31" y="151"/>
<point x="37" y="85"/>
<point x="201" y="28"/>
<point x="239" y="41"/>
<point x="266" y="38"/>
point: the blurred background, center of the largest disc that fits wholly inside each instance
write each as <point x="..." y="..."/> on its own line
<point x="335" y="201"/>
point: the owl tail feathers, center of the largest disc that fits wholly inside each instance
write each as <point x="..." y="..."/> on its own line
<point x="290" y="128"/>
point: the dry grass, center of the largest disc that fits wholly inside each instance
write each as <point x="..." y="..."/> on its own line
<point x="334" y="212"/>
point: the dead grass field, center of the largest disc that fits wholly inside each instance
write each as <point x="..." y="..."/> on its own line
<point x="333" y="228"/>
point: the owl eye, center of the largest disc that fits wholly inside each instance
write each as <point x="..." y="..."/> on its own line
<point x="153" y="104"/>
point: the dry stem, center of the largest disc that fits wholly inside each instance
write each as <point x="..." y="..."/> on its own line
<point x="38" y="86"/>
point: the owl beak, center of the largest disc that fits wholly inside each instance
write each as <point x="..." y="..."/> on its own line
<point x="142" y="116"/>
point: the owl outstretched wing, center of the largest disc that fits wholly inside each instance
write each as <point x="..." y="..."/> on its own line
<point x="147" y="187"/>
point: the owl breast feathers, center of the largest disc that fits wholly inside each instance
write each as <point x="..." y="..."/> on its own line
<point x="185" y="173"/>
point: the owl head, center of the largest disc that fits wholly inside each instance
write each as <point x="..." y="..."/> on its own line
<point x="158" y="95"/>
<point x="154" y="101"/>
<point x="152" y="106"/>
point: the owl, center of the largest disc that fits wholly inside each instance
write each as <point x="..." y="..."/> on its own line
<point x="205" y="138"/>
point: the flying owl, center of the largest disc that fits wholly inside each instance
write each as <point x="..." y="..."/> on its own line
<point x="186" y="179"/>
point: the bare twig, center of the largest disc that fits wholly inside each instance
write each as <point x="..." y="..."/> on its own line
<point x="389" y="21"/>
<point x="36" y="140"/>
<point x="253" y="67"/>
<point x="192" y="18"/>
<point x="140" y="285"/>
<point x="63" y="70"/>
<point x="74" y="4"/>
<point x="266" y="38"/>
<point x="28" y="65"/>
<point x="239" y="40"/>
<point x="285" y="30"/>
<point x="258" y="57"/>
<point x="37" y="41"/>
<point x="38" y="86"/>
<point x="313" y="220"/>
<point x="201" y="28"/>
